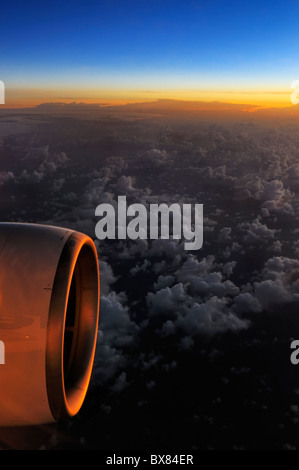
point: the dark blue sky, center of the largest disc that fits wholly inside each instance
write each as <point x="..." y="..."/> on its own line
<point x="149" y="43"/>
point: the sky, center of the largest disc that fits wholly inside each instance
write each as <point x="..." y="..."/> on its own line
<point x="140" y="50"/>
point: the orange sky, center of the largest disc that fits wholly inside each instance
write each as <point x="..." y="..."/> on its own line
<point x="28" y="97"/>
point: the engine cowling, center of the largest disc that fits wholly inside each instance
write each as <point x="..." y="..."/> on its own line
<point x="49" y="312"/>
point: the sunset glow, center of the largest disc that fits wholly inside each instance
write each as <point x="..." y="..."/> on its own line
<point x="119" y="52"/>
<point x="28" y="97"/>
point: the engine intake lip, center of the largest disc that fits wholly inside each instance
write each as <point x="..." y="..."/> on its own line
<point x="72" y="326"/>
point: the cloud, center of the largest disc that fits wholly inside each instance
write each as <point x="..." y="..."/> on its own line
<point x="120" y="383"/>
<point x="116" y="333"/>
<point x="256" y="232"/>
<point x="193" y="268"/>
<point x="107" y="277"/>
<point x="155" y="158"/>
<point x="209" y="318"/>
<point x="246" y="303"/>
<point x="164" y="281"/>
<point x="272" y="194"/>
<point x="167" y="300"/>
<point x="280" y="283"/>
<point x="6" y="176"/>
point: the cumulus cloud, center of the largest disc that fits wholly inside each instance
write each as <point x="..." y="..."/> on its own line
<point x="210" y="318"/>
<point x="154" y="289"/>
<point x="193" y="268"/>
<point x="256" y="232"/>
<point x="107" y="277"/>
<point x="247" y="303"/>
<point x="280" y="282"/>
<point x="156" y="158"/>
<point x="115" y="323"/>
<point x="167" y="300"/>
<point x="6" y="176"/>
<point x="116" y="333"/>
<point x="164" y="281"/>
<point x="272" y="194"/>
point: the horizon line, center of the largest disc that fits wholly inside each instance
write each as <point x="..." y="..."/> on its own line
<point x="106" y="103"/>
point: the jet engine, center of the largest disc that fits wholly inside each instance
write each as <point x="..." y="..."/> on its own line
<point x="49" y="312"/>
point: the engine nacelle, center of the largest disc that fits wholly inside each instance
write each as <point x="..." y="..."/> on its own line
<point x="49" y="311"/>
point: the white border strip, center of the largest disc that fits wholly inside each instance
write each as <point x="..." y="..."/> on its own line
<point x="2" y="92"/>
